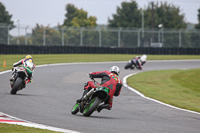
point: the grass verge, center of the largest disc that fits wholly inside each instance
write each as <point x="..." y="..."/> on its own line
<point x="66" y="58"/>
<point x="180" y="88"/>
<point x="9" y="128"/>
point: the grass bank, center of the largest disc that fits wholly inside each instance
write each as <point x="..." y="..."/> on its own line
<point x="9" y="128"/>
<point x="66" y="58"/>
<point x="180" y="88"/>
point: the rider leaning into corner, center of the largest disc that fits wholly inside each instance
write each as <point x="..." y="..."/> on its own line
<point x="139" y="61"/>
<point x="27" y="58"/>
<point x="110" y="80"/>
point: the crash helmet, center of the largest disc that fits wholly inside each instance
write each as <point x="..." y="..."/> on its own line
<point x="28" y="57"/>
<point x="115" y="69"/>
<point x="143" y="58"/>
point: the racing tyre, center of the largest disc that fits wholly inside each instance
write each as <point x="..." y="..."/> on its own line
<point x="92" y="106"/>
<point x="16" y="85"/>
<point x="128" y="66"/>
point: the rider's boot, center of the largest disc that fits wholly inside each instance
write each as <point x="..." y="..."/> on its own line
<point x="84" y="93"/>
<point x="104" y="106"/>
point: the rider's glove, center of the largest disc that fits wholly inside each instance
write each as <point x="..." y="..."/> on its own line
<point x="91" y="76"/>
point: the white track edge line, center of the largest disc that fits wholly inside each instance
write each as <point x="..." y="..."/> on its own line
<point x="36" y="125"/>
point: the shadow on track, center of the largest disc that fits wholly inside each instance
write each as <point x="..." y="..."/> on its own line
<point x="21" y="94"/>
<point x="93" y="116"/>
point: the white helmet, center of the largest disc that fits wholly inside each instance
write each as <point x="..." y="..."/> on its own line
<point x="143" y="58"/>
<point x="115" y="69"/>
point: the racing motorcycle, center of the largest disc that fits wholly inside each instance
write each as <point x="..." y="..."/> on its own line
<point x="20" y="76"/>
<point x="91" y="101"/>
<point x="134" y="62"/>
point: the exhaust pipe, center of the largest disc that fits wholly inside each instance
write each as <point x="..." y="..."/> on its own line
<point x="90" y="93"/>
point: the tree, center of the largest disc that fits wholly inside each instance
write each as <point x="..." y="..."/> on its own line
<point x="52" y="36"/>
<point x="5" y="21"/>
<point x="195" y="36"/>
<point x="166" y="14"/>
<point x="78" y="17"/>
<point x="197" y="26"/>
<point x="128" y="15"/>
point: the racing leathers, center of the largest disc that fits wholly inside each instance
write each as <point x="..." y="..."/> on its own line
<point x="109" y="80"/>
<point x="29" y="80"/>
<point x="138" y="62"/>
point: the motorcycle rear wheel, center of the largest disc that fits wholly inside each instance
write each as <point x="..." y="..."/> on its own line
<point x="16" y="85"/>
<point x="129" y="65"/>
<point x="92" y="106"/>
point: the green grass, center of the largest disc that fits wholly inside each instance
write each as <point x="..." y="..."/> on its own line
<point x="66" y="58"/>
<point x="9" y="128"/>
<point x="180" y="88"/>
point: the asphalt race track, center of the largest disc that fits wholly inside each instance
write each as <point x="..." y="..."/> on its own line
<point x="49" y="100"/>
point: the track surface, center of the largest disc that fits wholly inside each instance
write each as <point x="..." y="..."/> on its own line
<point x="49" y="99"/>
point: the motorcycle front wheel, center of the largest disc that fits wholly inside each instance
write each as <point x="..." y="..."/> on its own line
<point x="93" y="104"/>
<point x="75" y="108"/>
<point x="16" y="85"/>
<point x="128" y="65"/>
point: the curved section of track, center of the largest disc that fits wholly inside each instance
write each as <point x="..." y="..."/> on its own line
<point x="55" y="89"/>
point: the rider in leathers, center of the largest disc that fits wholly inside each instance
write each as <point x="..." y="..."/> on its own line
<point x="138" y="62"/>
<point x="28" y="57"/>
<point x="110" y="80"/>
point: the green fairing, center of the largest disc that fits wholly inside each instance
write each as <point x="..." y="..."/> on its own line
<point x="75" y="106"/>
<point x="106" y="89"/>
<point x="28" y="70"/>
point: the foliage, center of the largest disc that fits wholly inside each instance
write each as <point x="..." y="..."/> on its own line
<point x="52" y="36"/>
<point x="5" y="21"/>
<point x="169" y="16"/>
<point x="78" y="17"/>
<point x="14" y="40"/>
<point x="166" y="14"/>
<point x="195" y="37"/>
<point x="197" y="26"/>
<point x="128" y="15"/>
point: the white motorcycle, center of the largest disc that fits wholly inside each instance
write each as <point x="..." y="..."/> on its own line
<point x="134" y="62"/>
<point x="20" y="76"/>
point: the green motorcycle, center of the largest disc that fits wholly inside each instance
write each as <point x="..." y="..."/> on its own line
<point x="91" y="101"/>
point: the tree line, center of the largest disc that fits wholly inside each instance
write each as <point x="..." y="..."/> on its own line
<point x="128" y="15"/>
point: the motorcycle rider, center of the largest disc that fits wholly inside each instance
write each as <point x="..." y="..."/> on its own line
<point x="110" y="80"/>
<point x="139" y="61"/>
<point x="27" y="57"/>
